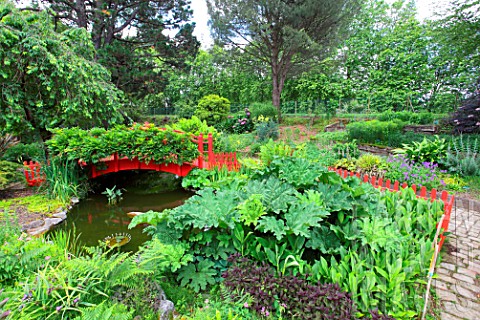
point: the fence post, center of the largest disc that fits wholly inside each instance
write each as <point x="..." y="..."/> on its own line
<point x="210" y="151"/>
<point x="200" y="150"/>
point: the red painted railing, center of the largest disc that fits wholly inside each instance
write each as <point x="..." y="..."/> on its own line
<point x="33" y="173"/>
<point x="113" y="163"/>
<point x="447" y="199"/>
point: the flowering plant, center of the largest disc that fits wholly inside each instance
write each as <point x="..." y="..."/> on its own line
<point x="241" y="123"/>
<point x="421" y="174"/>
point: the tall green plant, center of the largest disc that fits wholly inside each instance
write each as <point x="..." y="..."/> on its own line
<point x="63" y="180"/>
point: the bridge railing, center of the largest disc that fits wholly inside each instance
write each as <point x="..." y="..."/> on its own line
<point x="208" y="159"/>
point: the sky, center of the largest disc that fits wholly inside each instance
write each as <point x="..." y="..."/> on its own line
<point x="426" y="9"/>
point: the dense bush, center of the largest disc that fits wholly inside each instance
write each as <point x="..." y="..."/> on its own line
<point x="23" y="152"/>
<point x="10" y="172"/>
<point x="240" y="123"/>
<point x="428" y="150"/>
<point x="409" y="117"/>
<point x="463" y="156"/>
<point x="467" y="118"/>
<point x="213" y="108"/>
<point x="146" y="142"/>
<point x="267" y="130"/>
<point x="185" y="109"/>
<point x="373" y="131"/>
<point x="266" y="109"/>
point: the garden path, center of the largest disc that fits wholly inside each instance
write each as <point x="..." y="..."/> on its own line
<point x="458" y="282"/>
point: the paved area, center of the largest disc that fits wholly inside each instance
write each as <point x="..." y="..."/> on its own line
<point x="458" y="282"/>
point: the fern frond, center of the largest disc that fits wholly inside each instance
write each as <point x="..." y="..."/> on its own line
<point x="106" y="311"/>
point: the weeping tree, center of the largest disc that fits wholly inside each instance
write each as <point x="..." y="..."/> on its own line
<point x="285" y="35"/>
<point x="49" y="79"/>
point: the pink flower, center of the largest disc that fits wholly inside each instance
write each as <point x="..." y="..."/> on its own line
<point x="48" y="258"/>
<point x="245" y="305"/>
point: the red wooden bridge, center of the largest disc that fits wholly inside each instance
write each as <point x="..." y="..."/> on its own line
<point x="206" y="160"/>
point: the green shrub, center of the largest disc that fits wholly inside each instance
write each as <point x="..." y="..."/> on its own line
<point x="425" y="151"/>
<point x="409" y="117"/>
<point x="463" y="157"/>
<point x="346" y="150"/>
<point x="23" y="152"/>
<point x="165" y="145"/>
<point x="195" y="126"/>
<point x="373" y="131"/>
<point x="273" y="149"/>
<point x="185" y="109"/>
<point x="64" y="180"/>
<point x="7" y="141"/>
<point x="240" y="123"/>
<point x="327" y="138"/>
<point x="213" y="108"/>
<point x="265" y="109"/>
<point x="10" y="172"/>
<point x="267" y="130"/>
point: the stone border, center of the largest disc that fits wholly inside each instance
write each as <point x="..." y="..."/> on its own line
<point x="41" y="226"/>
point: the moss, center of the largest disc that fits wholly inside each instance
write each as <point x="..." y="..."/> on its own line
<point x="33" y="204"/>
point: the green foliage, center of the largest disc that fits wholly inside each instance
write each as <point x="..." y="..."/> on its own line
<point x="63" y="180"/>
<point x="213" y="109"/>
<point x="24" y="152"/>
<point x="113" y="196"/>
<point x="373" y="131"/>
<point x="50" y="78"/>
<point x="327" y="138"/>
<point x="185" y="109"/>
<point x="195" y="126"/>
<point x="10" y="172"/>
<point x="272" y="150"/>
<point x="241" y="123"/>
<point x="7" y="141"/>
<point x="463" y="157"/>
<point x="425" y="151"/>
<point x="106" y="310"/>
<point x="266" y="109"/>
<point x="371" y="164"/>
<point x="251" y="210"/>
<point x="198" y="276"/>
<point x="267" y="130"/>
<point x="346" y="163"/>
<point x="346" y="150"/>
<point x="409" y="117"/>
<point x="145" y="142"/>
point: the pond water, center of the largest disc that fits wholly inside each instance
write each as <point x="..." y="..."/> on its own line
<point x="94" y="219"/>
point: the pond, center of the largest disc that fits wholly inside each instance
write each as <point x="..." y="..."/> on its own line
<point x="94" y="219"/>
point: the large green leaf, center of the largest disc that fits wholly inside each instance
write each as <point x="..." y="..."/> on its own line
<point x="276" y="195"/>
<point x="209" y="209"/>
<point x="271" y="224"/>
<point x="325" y="240"/>
<point x="302" y="216"/>
<point x="198" y="276"/>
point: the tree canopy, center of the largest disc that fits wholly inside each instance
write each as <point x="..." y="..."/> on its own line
<point x="49" y="78"/>
<point x="283" y="34"/>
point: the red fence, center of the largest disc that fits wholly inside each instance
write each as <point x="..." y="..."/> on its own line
<point x="33" y="173"/>
<point x="447" y="199"/>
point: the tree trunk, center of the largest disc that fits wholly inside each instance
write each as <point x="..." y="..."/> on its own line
<point x="276" y="92"/>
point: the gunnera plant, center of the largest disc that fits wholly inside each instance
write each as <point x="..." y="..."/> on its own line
<point x="290" y="296"/>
